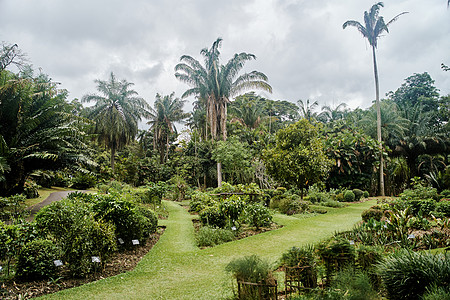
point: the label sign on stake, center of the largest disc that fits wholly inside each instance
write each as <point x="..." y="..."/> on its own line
<point x="95" y="259"/>
<point x="120" y="241"/>
<point x="411" y="236"/>
<point x="135" y="242"/>
<point x="1" y="268"/>
<point x="57" y="263"/>
<point x="352" y="242"/>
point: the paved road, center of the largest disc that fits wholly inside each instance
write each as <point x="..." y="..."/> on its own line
<point x="55" y="196"/>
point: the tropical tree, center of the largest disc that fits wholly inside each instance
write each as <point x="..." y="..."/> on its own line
<point x="298" y="158"/>
<point x="372" y="29"/>
<point x="116" y="113"/>
<point x="213" y="84"/>
<point x="330" y="114"/>
<point x="167" y="111"/>
<point x="306" y="109"/>
<point x="37" y="130"/>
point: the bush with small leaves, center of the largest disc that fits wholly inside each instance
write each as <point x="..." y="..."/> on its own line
<point x="232" y="209"/>
<point x="257" y="215"/>
<point x="358" y="194"/>
<point x="200" y="201"/>
<point x="35" y="260"/>
<point x="213" y="216"/>
<point x="349" y="196"/>
<point x="366" y="194"/>
<point x="443" y="207"/>
<point x="376" y="214"/>
<point x="83" y="181"/>
<point x="209" y="237"/>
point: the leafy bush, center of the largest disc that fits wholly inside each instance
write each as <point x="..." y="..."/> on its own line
<point x="349" y="196"/>
<point x="366" y="194"/>
<point x="336" y="253"/>
<point x="209" y="237"/>
<point x="426" y="206"/>
<point x="371" y="213"/>
<point x="257" y="215"/>
<point x="35" y="260"/>
<point x="213" y="216"/>
<point x="421" y="269"/>
<point x="291" y="204"/>
<point x="368" y="256"/>
<point x="12" y="207"/>
<point x="83" y="181"/>
<point x="443" y="207"/>
<point x="445" y="194"/>
<point x="332" y="203"/>
<point x="358" y="194"/>
<point x="30" y="189"/>
<point x="419" y="192"/>
<point x="356" y="284"/>
<point x="200" y="201"/>
<point x="232" y="208"/>
<point x="437" y="293"/>
<point x="151" y="222"/>
<point x="304" y="258"/>
<point x="154" y="192"/>
<point x="72" y="225"/>
<point x="129" y="221"/>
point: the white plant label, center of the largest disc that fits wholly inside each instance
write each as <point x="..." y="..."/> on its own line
<point x="95" y="259"/>
<point x="135" y="242"/>
<point x="57" y="263"/>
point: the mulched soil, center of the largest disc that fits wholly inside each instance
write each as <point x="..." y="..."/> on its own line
<point x="121" y="262"/>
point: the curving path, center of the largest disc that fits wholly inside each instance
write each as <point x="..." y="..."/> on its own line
<point x="176" y="269"/>
<point x="55" y="196"/>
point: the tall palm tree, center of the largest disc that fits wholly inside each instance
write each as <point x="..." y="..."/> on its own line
<point x="374" y="27"/>
<point x="167" y="111"/>
<point x="213" y="84"/>
<point x="330" y="114"/>
<point x="116" y="113"/>
<point x="306" y="109"/>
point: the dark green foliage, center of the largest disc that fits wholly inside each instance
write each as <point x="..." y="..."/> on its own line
<point x="12" y="207"/>
<point x="437" y="293"/>
<point x="257" y="215"/>
<point x="209" y="237"/>
<point x="72" y="225"/>
<point x="371" y="213"/>
<point x="356" y="284"/>
<point x="150" y="220"/>
<point x="419" y="192"/>
<point x="443" y="207"/>
<point x="128" y="220"/>
<point x="368" y="256"/>
<point x="213" y="216"/>
<point x="358" y="194"/>
<point x="349" y="196"/>
<point x="336" y="253"/>
<point x="250" y="269"/>
<point x="232" y="208"/>
<point x="304" y="259"/>
<point x="407" y="275"/>
<point x="30" y="189"/>
<point x="154" y="192"/>
<point x="200" y="201"/>
<point x="291" y="204"/>
<point x="366" y="194"/>
<point x="445" y="194"/>
<point x="35" y="260"/>
<point x="425" y="206"/>
<point x="83" y="181"/>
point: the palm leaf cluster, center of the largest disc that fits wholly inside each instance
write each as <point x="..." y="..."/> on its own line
<point x="167" y="111"/>
<point x="213" y="84"/>
<point x="37" y="130"/>
<point x="116" y="113"/>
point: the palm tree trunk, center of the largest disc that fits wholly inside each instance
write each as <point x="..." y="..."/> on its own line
<point x="377" y="103"/>
<point x="113" y="153"/>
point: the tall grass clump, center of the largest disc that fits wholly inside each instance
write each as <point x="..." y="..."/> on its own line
<point x="407" y="275"/>
<point x="210" y="237"/>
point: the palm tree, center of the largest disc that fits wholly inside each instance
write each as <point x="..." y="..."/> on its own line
<point x="116" y="113"/>
<point x="330" y="114"/>
<point x="213" y="84"/>
<point x="306" y="109"/>
<point x="374" y="27"/>
<point x="167" y="111"/>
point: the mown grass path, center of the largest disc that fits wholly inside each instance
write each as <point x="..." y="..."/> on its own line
<point x="176" y="269"/>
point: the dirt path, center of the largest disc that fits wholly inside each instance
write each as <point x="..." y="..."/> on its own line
<point x="55" y="196"/>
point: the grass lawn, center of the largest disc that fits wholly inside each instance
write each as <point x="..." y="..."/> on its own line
<point x="176" y="269"/>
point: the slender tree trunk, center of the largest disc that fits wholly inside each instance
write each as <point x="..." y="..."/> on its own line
<point x="219" y="174"/>
<point x="377" y="103"/>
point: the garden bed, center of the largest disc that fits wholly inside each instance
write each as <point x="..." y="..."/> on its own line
<point x="121" y="262"/>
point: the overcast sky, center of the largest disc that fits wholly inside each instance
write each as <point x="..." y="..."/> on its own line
<point x="299" y="44"/>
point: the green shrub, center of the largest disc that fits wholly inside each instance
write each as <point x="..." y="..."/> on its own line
<point x="356" y="284"/>
<point x="358" y="194"/>
<point x="437" y="293"/>
<point x="232" y="208"/>
<point x="332" y="203"/>
<point x="129" y="222"/>
<point x="419" y="192"/>
<point x="445" y="194"/>
<point x="200" y="201"/>
<point x="291" y="204"/>
<point x="255" y="270"/>
<point x="154" y="192"/>
<point x="213" y="216"/>
<point x="35" y="260"/>
<point x="209" y="237"/>
<point x="305" y="259"/>
<point x="83" y="181"/>
<point x="366" y="194"/>
<point x="443" y="207"/>
<point x="336" y="253"/>
<point x="257" y="215"/>
<point x="376" y="214"/>
<point x="72" y="225"/>
<point x="407" y="275"/>
<point x="151" y="222"/>
<point x="368" y="256"/>
<point x="12" y="207"/>
<point x="426" y="206"/>
<point x="349" y="196"/>
<point x="30" y="189"/>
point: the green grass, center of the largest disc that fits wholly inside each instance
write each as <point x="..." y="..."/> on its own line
<point x="176" y="269"/>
